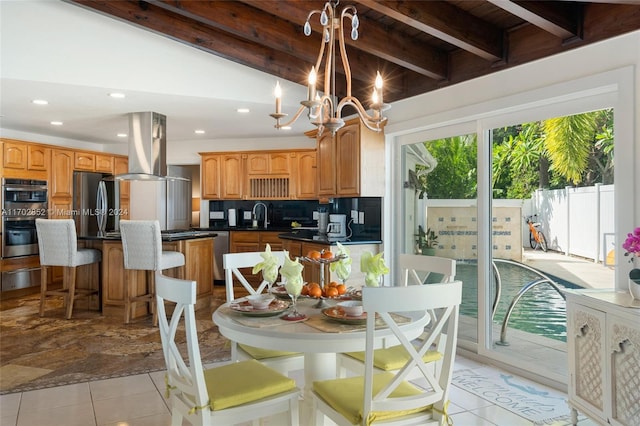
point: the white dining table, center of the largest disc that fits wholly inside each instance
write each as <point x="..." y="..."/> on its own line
<point x="319" y="347"/>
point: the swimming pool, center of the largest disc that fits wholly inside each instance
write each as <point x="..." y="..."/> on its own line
<point x="541" y="310"/>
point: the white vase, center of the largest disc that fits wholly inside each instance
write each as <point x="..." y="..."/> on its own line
<point x="634" y="288"/>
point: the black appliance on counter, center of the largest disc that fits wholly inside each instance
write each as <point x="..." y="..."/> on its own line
<point x="23" y="201"/>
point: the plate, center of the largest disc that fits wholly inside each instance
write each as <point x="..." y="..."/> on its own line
<point x="243" y="307"/>
<point x="336" y="313"/>
<point x="280" y="292"/>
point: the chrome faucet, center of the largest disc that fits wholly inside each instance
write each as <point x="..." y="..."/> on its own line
<point x="253" y="212"/>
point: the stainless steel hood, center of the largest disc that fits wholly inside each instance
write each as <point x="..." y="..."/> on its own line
<point x="147" y="147"/>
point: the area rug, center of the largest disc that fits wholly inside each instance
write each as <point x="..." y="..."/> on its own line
<point x="37" y="352"/>
<point x="525" y="398"/>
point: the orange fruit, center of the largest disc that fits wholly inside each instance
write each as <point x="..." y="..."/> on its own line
<point x="314" y="254"/>
<point x="331" y="292"/>
<point x="332" y="284"/>
<point x="315" y="292"/>
<point x="342" y="289"/>
<point x="312" y="285"/>
<point x="305" y="290"/>
<point x="327" y="254"/>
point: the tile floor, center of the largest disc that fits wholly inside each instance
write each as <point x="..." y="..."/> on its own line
<point x="139" y="401"/>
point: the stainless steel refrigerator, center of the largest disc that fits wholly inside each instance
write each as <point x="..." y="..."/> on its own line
<point x="96" y="199"/>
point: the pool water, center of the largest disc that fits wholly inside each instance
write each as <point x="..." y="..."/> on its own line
<point x="541" y="310"/>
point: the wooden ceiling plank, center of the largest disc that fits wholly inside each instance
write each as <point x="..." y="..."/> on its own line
<point x="447" y="23"/>
<point x="546" y="16"/>
<point x="392" y="46"/>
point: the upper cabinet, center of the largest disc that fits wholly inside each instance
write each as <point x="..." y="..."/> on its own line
<point x="104" y="163"/>
<point x="351" y="163"/>
<point x="275" y="175"/>
<point x="24" y="160"/>
<point x="222" y="176"/>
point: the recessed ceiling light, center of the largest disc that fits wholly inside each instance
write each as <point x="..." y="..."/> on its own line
<point x="243" y="110"/>
<point x="122" y="135"/>
<point x="117" y="95"/>
<point x="39" y="102"/>
<point x="286" y="127"/>
<point x="56" y="123"/>
<point x="199" y="132"/>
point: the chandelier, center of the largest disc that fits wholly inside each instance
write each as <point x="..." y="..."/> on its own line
<point x="324" y="110"/>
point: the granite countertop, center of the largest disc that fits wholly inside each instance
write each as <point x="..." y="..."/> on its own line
<point x="314" y="237"/>
<point x="177" y="235"/>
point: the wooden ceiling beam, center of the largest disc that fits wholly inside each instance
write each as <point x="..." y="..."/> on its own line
<point x="563" y="20"/>
<point x="392" y="46"/>
<point x="446" y="22"/>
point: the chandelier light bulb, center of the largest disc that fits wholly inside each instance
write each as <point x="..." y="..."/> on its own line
<point x="312" y="84"/>
<point x="278" y="93"/>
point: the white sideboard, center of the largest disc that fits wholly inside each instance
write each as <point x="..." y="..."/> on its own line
<point x="603" y="346"/>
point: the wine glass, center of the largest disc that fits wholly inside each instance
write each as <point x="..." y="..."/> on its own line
<point x="270" y="275"/>
<point x="294" y="288"/>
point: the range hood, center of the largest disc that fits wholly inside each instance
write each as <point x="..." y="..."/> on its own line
<point x="147" y="147"/>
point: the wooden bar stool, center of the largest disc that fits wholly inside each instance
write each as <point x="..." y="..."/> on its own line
<point x="58" y="246"/>
<point x="142" y="247"/>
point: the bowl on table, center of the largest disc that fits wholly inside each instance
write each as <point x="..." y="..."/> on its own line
<point x="352" y="308"/>
<point x="260" y="301"/>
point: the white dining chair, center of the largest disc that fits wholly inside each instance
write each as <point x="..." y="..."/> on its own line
<point x="388" y="398"/>
<point x="233" y="393"/>
<point x="416" y="269"/>
<point x="282" y="361"/>
<point x="142" y="251"/>
<point x="58" y="246"/>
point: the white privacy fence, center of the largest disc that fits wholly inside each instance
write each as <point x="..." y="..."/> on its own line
<point x="576" y="221"/>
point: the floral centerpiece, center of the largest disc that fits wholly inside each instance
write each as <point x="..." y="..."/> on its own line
<point x="373" y="267"/>
<point x="632" y="247"/>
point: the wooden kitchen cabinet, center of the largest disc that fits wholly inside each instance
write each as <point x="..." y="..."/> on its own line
<point x="268" y="163"/>
<point x="305" y="175"/>
<point x="24" y="160"/>
<point x="104" y="163"/>
<point x="210" y="176"/>
<point x="222" y="176"/>
<point x="84" y="161"/>
<point x="253" y="241"/>
<point x="351" y="164"/>
<point x="603" y="348"/>
<point x="61" y="173"/>
<point x="198" y="255"/>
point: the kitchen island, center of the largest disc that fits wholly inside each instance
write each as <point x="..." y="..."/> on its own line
<point x="196" y="245"/>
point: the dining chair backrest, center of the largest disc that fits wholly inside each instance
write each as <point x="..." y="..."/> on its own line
<point x="57" y="242"/>
<point x="379" y="304"/>
<point x="416" y="268"/>
<point x="233" y="262"/>
<point x="142" y="244"/>
<point x="187" y="379"/>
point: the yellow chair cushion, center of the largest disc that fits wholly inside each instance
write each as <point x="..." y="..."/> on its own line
<point x="393" y="358"/>
<point x="346" y="396"/>
<point x="242" y="382"/>
<point x="259" y="353"/>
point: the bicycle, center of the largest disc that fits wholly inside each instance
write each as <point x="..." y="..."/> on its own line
<point x="536" y="236"/>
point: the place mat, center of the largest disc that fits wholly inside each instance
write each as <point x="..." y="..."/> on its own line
<point x="256" y="322"/>
<point x="322" y="323"/>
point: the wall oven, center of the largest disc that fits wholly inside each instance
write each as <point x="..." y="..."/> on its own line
<point x="23" y="201"/>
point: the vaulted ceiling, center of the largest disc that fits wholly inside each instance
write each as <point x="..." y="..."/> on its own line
<point x="418" y="46"/>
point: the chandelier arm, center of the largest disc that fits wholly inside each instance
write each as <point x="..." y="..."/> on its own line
<point x="343" y="50"/>
<point x="366" y="118"/>
<point x="329" y="68"/>
<point x="293" y="119"/>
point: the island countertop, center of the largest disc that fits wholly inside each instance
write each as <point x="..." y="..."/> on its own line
<point x="177" y="235"/>
<point x="313" y="237"/>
